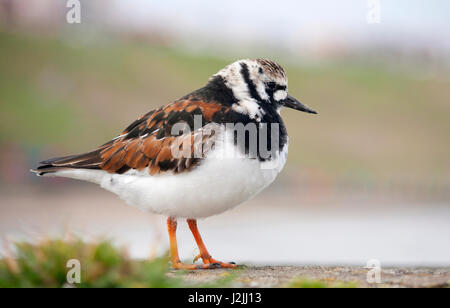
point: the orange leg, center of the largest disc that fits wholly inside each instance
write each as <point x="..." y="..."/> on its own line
<point x="176" y="263"/>
<point x="204" y="254"/>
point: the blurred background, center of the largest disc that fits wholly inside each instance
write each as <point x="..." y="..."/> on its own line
<point x="368" y="178"/>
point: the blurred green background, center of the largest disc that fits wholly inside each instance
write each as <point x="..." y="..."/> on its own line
<point x="374" y="124"/>
<point x="382" y="90"/>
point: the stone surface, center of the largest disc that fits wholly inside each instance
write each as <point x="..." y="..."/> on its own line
<point x="280" y="276"/>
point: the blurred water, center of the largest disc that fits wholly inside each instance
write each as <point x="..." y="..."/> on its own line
<point x="272" y="229"/>
<point x="419" y="236"/>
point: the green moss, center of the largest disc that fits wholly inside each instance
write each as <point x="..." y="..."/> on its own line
<point x="102" y="265"/>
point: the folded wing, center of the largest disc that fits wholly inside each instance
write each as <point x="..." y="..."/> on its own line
<point x="150" y="142"/>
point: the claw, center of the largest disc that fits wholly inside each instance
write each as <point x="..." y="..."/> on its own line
<point x="196" y="258"/>
<point x="228" y="265"/>
<point x="223" y="264"/>
<point x="212" y="261"/>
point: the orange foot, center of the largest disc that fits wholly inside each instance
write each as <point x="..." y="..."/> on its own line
<point x="209" y="260"/>
<point x="185" y="266"/>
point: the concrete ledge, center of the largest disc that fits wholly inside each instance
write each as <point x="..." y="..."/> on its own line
<point x="280" y="276"/>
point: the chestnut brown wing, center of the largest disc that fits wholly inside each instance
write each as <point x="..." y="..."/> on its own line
<point x="149" y="142"/>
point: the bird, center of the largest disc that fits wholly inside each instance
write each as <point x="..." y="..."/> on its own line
<point x="197" y="156"/>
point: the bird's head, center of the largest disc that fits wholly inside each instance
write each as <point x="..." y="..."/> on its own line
<point x="259" y="82"/>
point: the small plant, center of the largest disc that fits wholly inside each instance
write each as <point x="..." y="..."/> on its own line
<point x="101" y="265"/>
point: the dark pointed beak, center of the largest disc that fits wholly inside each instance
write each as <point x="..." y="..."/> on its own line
<point x="291" y="102"/>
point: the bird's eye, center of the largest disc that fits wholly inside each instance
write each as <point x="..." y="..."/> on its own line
<point x="261" y="71"/>
<point x="271" y="85"/>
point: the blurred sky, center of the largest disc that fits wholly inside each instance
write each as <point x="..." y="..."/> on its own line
<point x="292" y="23"/>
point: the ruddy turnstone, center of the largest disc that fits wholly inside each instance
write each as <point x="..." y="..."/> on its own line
<point x="198" y="156"/>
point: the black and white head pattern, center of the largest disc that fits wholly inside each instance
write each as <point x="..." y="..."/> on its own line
<point x="254" y="82"/>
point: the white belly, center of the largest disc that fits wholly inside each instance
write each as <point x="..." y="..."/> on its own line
<point x="221" y="182"/>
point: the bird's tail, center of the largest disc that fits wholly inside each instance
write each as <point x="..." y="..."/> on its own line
<point x="90" y="160"/>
